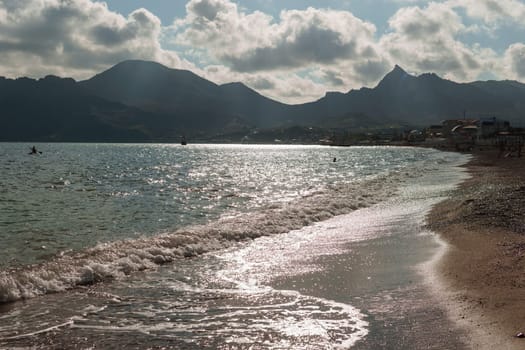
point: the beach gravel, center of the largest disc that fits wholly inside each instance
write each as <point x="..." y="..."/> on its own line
<point x="482" y="274"/>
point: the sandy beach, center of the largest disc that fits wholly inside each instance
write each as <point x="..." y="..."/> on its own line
<point x="481" y="274"/>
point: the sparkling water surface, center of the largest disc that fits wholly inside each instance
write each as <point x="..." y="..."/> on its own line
<point x="74" y="195"/>
<point x="169" y="231"/>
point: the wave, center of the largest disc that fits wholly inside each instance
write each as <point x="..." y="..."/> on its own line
<point x="114" y="260"/>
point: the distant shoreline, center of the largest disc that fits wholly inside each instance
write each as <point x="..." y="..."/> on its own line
<point x="481" y="275"/>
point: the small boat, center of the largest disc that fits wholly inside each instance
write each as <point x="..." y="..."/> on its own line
<point x="183" y="141"/>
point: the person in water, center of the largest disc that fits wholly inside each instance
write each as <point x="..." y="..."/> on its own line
<point x="33" y="150"/>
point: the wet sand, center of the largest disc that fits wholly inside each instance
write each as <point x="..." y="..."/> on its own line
<point x="481" y="275"/>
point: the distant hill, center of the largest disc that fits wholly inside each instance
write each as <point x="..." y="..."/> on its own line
<point x="145" y="101"/>
<point x="401" y="98"/>
<point x="195" y="102"/>
<point x="55" y="109"/>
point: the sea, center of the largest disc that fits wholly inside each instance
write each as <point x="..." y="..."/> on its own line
<point x="163" y="246"/>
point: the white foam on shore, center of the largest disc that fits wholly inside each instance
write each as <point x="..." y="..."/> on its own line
<point x="479" y="334"/>
<point x="319" y="322"/>
<point x="450" y="298"/>
<point x="298" y="319"/>
<point x="115" y="260"/>
<point x="46" y="330"/>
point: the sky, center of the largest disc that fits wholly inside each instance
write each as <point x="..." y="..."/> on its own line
<point x="293" y="51"/>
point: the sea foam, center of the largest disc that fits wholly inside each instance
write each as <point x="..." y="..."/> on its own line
<point x="114" y="260"/>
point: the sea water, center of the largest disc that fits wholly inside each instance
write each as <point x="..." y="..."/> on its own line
<point x="215" y="246"/>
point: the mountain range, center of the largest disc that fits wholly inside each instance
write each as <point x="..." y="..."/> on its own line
<point x="140" y="101"/>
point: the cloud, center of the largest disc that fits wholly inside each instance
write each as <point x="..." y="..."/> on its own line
<point x="209" y="9"/>
<point x="295" y="56"/>
<point x="308" y="37"/>
<point x="220" y="28"/>
<point x="426" y="40"/>
<point x="417" y="23"/>
<point x="515" y="61"/>
<point x="261" y="83"/>
<point x="74" y="37"/>
<point x="338" y="50"/>
<point x="289" y="87"/>
<point x="493" y="12"/>
<point x="334" y="77"/>
<point x="253" y="42"/>
<point x="372" y="71"/>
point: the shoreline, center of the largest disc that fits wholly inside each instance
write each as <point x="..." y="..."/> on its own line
<point x="478" y="274"/>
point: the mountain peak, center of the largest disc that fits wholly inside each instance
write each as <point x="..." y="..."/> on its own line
<point x="398" y="72"/>
<point x="396" y="77"/>
<point x="138" y="67"/>
<point x="397" y="68"/>
<point x="237" y="88"/>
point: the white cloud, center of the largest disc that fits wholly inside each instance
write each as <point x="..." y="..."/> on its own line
<point x="339" y="49"/>
<point x="294" y="57"/>
<point x="288" y="87"/>
<point x="74" y="38"/>
<point x="219" y="27"/>
<point x="426" y="40"/>
<point x="515" y="61"/>
<point x="493" y="11"/>
<point x="250" y="42"/>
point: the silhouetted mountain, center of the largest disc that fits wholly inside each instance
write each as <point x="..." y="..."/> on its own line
<point x="258" y="110"/>
<point x="55" y="109"/>
<point x="426" y="99"/>
<point x="146" y="101"/>
<point x="152" y="86"/>
<point x="195" y="102"/>
<point x="398" y="99"/>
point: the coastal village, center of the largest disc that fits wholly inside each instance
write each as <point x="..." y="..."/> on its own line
<point x="451" y="134"/>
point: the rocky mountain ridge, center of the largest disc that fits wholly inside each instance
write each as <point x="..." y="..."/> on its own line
<point x="140" y="101"/>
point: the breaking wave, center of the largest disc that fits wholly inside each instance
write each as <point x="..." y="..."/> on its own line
<point x="114" y="260"/>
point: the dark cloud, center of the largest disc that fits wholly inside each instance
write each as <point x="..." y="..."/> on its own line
<point x="109" y="36"/>
<point x="140" y="23"/>
<point x="439" y="64"/>
<point x="76" y="36"/>
<point x="372" y="71"/>
<point x="470" y="62"/>
<point x="421" y="30"/>
<point x="254" y="42"/>
<point x="494" y="6"/>
<point x="312" y="45"/>
<point x="206" y="8"/>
